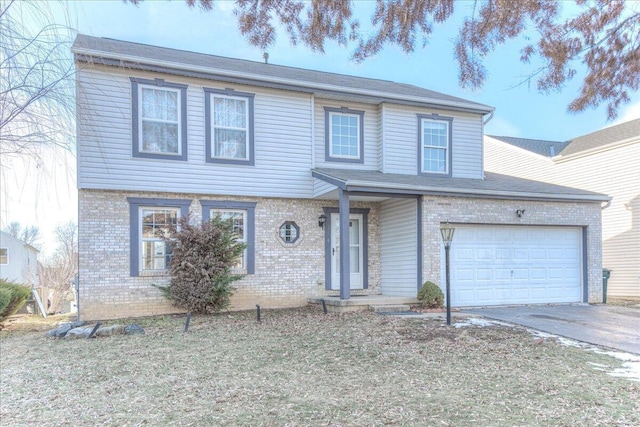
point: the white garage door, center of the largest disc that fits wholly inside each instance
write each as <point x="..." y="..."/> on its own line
<point x="495" y="265"/>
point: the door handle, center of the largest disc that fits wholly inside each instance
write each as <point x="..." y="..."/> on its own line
<point x="333" y="251"/>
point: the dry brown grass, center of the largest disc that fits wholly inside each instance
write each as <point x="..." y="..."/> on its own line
<point x="300" y="367"/>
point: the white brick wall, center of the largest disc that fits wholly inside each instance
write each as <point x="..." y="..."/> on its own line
<point x="286" y="274"/>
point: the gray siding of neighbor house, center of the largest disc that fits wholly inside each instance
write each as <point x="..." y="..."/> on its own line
<point x="282" y="141"/>
<point x="398" y="247"/>
<point x="400" y="137"/>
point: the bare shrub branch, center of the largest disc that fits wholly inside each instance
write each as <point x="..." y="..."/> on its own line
<point x="600" y="41"/>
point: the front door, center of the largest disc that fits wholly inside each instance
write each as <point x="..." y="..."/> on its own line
<point x="355" y="251"/>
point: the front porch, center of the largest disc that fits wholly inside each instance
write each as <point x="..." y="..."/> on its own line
<point x="378" y="303"/>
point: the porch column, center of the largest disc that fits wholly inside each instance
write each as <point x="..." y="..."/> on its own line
<point x="345" y="264"/>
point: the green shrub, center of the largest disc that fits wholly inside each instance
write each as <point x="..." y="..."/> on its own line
<point x="12" y="297"/>
<point x="430" y="295"/>
<point x="200" y="267"/>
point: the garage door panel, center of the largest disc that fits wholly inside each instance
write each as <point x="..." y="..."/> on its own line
<point x="483" y="275"/>
<point x="537" y="254"/>
<point x="538" y="274"/>
<point x="484" y="254"/>
<point x="494" y="265"/>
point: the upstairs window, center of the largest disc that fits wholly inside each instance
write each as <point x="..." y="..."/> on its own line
<point x="435" y="145"/>
<point x="344" y="140"/>
<point x="159" y="119"/>
<point x="229" y="126"/>
<point x="4" y="256"/>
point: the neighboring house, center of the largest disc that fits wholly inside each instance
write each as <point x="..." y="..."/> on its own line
<point x="293" y="156"/>
<point x="606" y="161"/>
<point x="18" y="261"/>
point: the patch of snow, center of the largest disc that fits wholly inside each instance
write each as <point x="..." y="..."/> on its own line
<point x="479" y="321"/>
<point x="630" y="368"/>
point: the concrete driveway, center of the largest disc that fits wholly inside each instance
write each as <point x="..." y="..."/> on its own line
<point x="603" y="325"/>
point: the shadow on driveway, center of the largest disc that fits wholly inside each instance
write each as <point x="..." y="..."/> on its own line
<point x="603" y="325"/>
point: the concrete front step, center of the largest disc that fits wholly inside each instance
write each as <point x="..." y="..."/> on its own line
<point x="334" y="304"/>
<point x="389" y="308"/>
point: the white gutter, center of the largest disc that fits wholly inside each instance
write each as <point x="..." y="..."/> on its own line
<point x="479" y="192"/>
<point x="260" y="77"/>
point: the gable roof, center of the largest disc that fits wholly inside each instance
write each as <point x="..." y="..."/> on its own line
<point x="539" y="146"/>
<point x="4" y="236"/>
<point x="154" y="58"/>
<point x="603" y="137"/>
<point x="597" y="139"/>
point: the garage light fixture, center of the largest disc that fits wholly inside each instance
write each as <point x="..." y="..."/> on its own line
<point x="447" y="236"/>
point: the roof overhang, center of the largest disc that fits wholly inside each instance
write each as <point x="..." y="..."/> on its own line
<point x="93" y="56"/>
<point x="494" y="187"/>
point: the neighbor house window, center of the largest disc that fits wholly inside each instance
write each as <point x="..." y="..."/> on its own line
<point x="435" y="144"/>
<point x="229" y="126"/>
<point x="4" y="256"/>
<point x="344" y="135"/>
<point x="159" y="119"/>
<point x="242" y="216"/>
<point x="151" y="223"/>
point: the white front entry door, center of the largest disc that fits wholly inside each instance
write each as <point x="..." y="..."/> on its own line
<point x="355" y="250"/>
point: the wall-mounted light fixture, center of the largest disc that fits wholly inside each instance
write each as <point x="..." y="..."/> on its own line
<point x="321" y="220"/>
<point x="520" y="212"/>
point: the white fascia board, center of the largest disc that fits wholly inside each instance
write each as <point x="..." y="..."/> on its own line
<point x="611" y="146"/>
<point x="478" y="192"/>
<point x="260" y="77"/>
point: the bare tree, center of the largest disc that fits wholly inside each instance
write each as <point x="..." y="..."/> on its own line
<point x="597" y="40"/>
<point x="57" y="272"/>
<point x="30" y="234"/>
<point x="37" y="104"/>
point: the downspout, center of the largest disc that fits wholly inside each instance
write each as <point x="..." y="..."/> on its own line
<point x="313" y="132"/>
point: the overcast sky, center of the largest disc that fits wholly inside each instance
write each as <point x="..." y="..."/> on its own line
<point x="48" y="199"/>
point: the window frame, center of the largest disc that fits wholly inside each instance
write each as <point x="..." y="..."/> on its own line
<point x="211" y="93"/>
<point x="329" y="112"/>
<point x="5" y="256"/>
<point x="137" y="84"/>
<point x="422" y="118"/>
<point x="243" y="238"/>
<point x="293" y="225"/>
<point x="135" y="228"/>
<point x="229" y="205"/>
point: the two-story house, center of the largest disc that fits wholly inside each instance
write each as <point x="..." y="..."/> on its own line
<point x="293" y="156"/>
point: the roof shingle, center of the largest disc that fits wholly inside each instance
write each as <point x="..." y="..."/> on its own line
<point x="87" y="47"/>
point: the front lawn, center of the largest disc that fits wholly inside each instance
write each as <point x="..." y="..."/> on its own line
<point x="300" y="367"/>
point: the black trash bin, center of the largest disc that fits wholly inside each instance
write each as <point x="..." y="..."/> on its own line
<point x="605" y="279"/>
